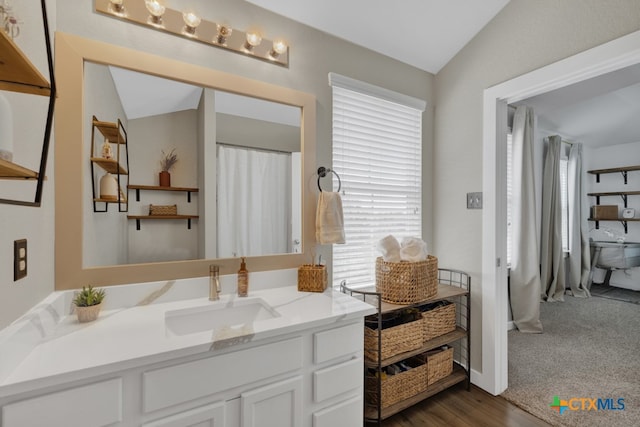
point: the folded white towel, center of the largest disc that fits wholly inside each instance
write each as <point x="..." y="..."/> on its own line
<point x="389" y="248"/>
<point x="413" y="249"/>
<point x="329" y="218"/>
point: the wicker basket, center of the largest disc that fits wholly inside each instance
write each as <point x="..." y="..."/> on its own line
<point x="407" y="282"/>
<point x="312" y="278"/>
<point x="439" y="364"/>
<point x="395" y="340"/>
<point x="163" y="210"/>
<point x="396" y="388"/>
<point x="439" y="321"/>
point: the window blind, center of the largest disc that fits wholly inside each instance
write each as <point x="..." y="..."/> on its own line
<point x="377" y="153"/>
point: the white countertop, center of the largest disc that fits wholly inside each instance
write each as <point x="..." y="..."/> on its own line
<point x="123" y="338"/>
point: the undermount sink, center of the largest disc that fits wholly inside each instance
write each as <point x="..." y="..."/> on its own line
<point x="616" y="255"/>
<point x="235" y="313"/>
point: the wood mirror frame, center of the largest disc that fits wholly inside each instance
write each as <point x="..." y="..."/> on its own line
<point x="71" y="52"/>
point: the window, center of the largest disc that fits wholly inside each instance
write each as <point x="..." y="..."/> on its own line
<point x="377" y="151"/>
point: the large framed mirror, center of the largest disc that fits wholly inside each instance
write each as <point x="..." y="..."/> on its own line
<point x="222" y="123"/>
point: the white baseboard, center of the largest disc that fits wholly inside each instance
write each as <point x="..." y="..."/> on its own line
<point x="510" y="325"/>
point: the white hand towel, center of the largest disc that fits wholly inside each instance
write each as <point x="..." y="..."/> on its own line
<point x="389" y="248"/>
<point x="413" y="249"/>
<point x="329" y="218"/>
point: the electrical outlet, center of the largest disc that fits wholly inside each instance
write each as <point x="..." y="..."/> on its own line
<point x="19" y="259"/>
<point x="474" y="200"/>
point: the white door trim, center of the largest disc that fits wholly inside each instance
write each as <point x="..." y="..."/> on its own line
<point x="611" y="56"/>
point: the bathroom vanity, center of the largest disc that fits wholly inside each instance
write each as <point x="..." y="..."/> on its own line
<point x="173" y="358"/>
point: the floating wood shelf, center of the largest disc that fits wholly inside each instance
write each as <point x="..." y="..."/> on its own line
<point x="623" y="170"/>
<point x="188" y="190"/>
<point x="110" y="165"/>
<point x="110" y="130"/>
<point x="138" y="218"/>
<point x="9" y="170"/>
<point x="17" y="73"/>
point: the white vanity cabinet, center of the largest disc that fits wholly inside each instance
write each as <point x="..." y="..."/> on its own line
<point x="309" y="378"/>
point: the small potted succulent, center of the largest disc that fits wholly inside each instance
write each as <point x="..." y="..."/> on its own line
<point x="166" y="163"/>
<point x="88" y="302"/>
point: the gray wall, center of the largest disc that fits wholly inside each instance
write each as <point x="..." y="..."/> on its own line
<point x="313" y="55"/>
<point x="524" y="36"/>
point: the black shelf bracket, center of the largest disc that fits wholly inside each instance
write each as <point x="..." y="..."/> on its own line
<point x="624" y="176"/>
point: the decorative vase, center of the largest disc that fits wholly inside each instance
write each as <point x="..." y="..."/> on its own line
<point x="165" y="179"/>
<point x="108" y="187"/>
<point x="88" y="314"/>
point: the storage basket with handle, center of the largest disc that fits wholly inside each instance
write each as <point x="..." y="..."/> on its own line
<point x="439" y="319"/>
<point x="407" y="282"/>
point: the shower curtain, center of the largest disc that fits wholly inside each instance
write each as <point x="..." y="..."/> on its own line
<point x="254" y="202"/>
<point x="553" y="272"/>
<point x="525" y="274"/>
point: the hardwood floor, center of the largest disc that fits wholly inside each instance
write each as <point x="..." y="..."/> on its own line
<point x="459" y="407"/>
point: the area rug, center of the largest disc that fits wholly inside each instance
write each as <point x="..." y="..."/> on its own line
<point x="584" y="370"/>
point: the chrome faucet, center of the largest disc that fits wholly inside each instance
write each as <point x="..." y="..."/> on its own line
<point x="214" y="283"/>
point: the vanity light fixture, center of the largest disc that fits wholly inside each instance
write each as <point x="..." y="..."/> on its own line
<point x="117" y="5"/>
<point x="224" y="32"/>
<point x="190" y="25"/>
<point x="191" y="22"/>
<point x="279" y="47"/>
<point x="156" y="9"/>
<point x="253" y="40"/>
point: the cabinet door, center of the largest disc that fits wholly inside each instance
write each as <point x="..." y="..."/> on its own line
<point x="275" y="405"/>
<point x="212" y="415"/>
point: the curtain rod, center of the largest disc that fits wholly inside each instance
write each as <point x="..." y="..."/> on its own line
<point x="247" y="147"/>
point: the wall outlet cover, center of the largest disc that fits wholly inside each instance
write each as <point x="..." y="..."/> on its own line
<point x="474" y="200"/>
<point x="19" y="259"/>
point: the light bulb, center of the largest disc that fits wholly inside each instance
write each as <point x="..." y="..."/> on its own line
<point x="155" y="9"/>
<point x="191" y="20"/>
<point x="253" y="40"/>
<point x="117" y="5"/>
<point x="224" y="32"/>
<point x="279" y="47"/>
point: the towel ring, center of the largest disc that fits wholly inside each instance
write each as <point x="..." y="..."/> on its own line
<point x="322" y="172"/>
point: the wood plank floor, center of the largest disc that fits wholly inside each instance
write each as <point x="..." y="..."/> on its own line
<point x="459" y="407"/>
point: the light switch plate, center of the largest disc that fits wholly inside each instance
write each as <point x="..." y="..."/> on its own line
<point x="19" y="259"/>
<point x="474" y="200"/>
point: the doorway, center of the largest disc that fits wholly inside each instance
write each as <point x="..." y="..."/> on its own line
<point x="611" y="56"/>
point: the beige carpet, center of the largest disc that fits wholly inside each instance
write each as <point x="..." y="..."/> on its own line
<point x="590" y="349"/>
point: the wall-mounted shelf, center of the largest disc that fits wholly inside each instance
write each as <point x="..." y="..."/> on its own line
<point x="188" y="190"/>
<point x="623" y="194"/>
<point x="138" y="218"/>
<point x="114" y="133"/>
<point x="18" y="74"/>
<point x="622" y="221"/>
<point x="9" y="170"/>
<point x="623" y="170"/>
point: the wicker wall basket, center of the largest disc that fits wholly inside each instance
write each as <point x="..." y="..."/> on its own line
<point x="395" y="340"/>
<point x="439" y="321"/>
<point x="163" y="210"/>
<point x="407" y="282"/>
<point x="312" y="278"/>
<point x="439" y="364"/>
<point x="400" y="386"/>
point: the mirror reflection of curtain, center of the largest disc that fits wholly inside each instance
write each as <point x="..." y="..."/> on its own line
<point x="254" y="202"/>
<point x="524" y="277"/>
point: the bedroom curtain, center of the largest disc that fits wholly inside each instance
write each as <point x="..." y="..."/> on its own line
<point x="551" y="256"/>
<point x="525" y="267"/>
<point x="254" y="202"/>
<point x="579" y="250"/>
